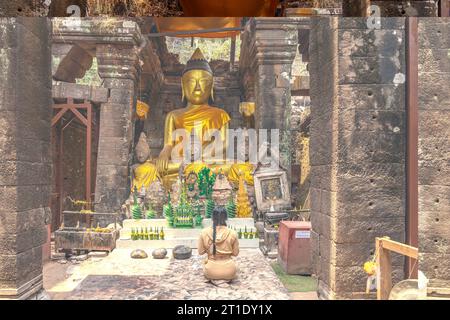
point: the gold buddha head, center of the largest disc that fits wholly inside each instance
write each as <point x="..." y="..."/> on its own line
<point x="197" y="81"/>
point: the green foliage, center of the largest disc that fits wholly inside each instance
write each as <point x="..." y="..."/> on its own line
<point x="231" y="208"/>
<point x="206" y="181"/>
<point x="91" y="77"/>
<point x="136" y="210"/>
<point x="151" y="213"/>
<point x="213" y="49"/>
<point x="168" y="211"/>
<point x="294" y="283"/>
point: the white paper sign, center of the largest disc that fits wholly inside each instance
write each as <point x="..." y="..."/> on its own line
<point x="302" y="234"/>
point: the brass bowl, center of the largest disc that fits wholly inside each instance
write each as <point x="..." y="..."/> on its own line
<point x="229" y="8"/>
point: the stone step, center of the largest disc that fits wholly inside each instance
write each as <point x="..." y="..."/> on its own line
<point x="171" y="243"/>
<point x="179" y="236"/>
<point x="232" y="222"/>
<point x="174" y="233"/>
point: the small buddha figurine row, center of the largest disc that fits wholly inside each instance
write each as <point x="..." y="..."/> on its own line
<point x="146" y="234"/>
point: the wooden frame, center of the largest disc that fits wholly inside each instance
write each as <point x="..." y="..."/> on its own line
<point x="384" y="246"/>
<point x="60" y="110"/>
<point x="269" y="174"/>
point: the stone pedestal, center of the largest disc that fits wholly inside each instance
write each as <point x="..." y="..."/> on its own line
<point x="25" y="162"/>
<point x="357" y="148"/>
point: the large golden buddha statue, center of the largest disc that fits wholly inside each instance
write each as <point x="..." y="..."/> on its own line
<point x="198" y="118"/>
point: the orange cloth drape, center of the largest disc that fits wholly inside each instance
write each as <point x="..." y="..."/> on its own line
<point x="188" y="24"/>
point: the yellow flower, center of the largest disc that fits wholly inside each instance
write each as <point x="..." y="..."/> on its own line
<point x="370" y="267"/>
<point x="142" y="110"/>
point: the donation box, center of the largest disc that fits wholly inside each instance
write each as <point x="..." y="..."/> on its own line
<point x="294" y="249"/>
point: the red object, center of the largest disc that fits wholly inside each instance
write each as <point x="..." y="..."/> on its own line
<point x="294" y="249"/>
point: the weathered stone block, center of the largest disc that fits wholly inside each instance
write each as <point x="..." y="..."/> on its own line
<point x="433" y="91"/>
<point x="434" y="60"/>
<point x="431" y="264"/>
<point x="372" y="97"/>
<point x="364" y="70"/>
<point x="434" y="33"/>
<point x="363" y="147"/>
<point x="371" y="43"/>
<point x="434" y="232"/>
<point x="434" y="198"/>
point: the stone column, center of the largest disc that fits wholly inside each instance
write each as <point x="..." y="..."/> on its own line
<point x="119" y="67"/>
<point x="272" y="45"/>
<point x="25" y="162"/>
<point x="357" y="148"/>
<point x="434" y="150"/>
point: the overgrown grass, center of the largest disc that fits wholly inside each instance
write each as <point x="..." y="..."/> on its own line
<point x="294" y="283"/>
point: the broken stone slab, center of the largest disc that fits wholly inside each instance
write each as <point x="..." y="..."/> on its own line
<point x="98" y="254"/>
<point x="62" y="261"/>
<point x="58" y="256"/>
<point x="82" y="257"/>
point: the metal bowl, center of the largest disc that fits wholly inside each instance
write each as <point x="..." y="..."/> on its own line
<point x="229" y="8"/>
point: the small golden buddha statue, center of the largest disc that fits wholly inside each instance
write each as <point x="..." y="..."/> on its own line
<point x="144" y="173"/>
<point x="198" y="117"/>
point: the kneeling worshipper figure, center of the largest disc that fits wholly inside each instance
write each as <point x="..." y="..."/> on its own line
<point x="220" y="243"/>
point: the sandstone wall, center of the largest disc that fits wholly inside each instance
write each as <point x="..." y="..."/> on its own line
<point x="357" y="148"/>
<point x="25" y="161"/>
<point x="400" y="8"/>
<point x="434" y="149"/>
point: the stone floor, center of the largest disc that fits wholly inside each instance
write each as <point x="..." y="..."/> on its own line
<point x="117" y="276"/>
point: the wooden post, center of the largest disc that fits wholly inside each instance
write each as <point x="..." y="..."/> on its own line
<point x="444" y="8"/>
<point x="412" y="124"/>
<point x="384" y="268"/>
<point x="384" y="271"/>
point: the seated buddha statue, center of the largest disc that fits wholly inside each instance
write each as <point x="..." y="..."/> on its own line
<point x="144" y="173"/>
<point x="197" y="119"/>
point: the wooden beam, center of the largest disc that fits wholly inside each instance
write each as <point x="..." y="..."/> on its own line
<point x="398" y="247"/>
<point x="193" y="32"/>
<point x="79" y="116"/>
<point x="59" y="115"/>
